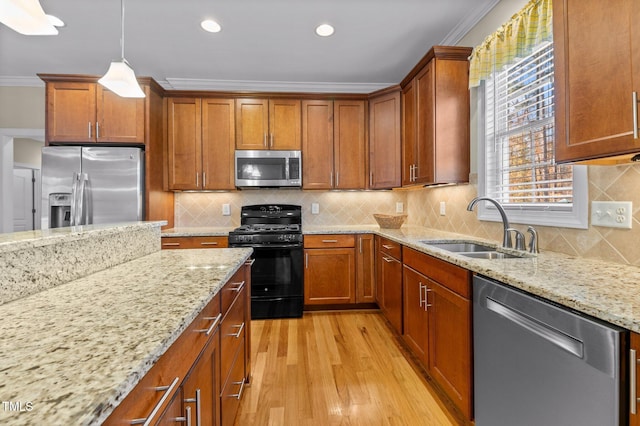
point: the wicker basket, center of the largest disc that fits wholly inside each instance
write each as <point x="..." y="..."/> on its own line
<point x="391" y="221"/>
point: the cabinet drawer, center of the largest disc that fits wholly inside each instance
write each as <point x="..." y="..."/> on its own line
<point x="170" y="369"/>
<point x="390" y="247"/>
<point x="329" y="241"/>
<point x="232" y="390"/>
<point x="235" y="286"/>
<point x="232" y="332"/>
<point x="453" y="277"/>
<point x="194" y="242"/>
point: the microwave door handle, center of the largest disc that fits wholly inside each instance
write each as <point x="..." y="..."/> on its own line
<point x="287" y="174"/>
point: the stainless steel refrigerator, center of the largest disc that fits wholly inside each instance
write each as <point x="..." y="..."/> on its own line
<point x="91" y="185"/>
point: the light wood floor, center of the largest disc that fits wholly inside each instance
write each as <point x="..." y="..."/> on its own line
<point x="334" y="368"/>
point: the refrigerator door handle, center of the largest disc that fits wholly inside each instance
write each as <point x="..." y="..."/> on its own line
<point x="80" y="210"/>
<point x="74" y="198"/>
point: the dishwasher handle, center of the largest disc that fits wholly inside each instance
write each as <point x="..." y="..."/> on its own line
<point x="563" y="341"/>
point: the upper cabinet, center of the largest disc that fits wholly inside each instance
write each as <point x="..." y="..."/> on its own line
<point x="435" y="118"/>
<point x="80" y="112"/>
<point x="333" y="144"/>
<point x="263" y="123"/>
<point x="597" y="79"/>
<point x="384" y="139"/>
<point x="200" y="139"/>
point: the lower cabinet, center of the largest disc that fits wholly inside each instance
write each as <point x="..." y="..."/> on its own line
<point x="437" y="323"/>
<point x="194" y="242"/>
<point x="365" y="269"/>
<point x="329" y="269"/>
<point x="200" y="378"/>
<point x="634" y="365"/>
<point x="389" y="280"/>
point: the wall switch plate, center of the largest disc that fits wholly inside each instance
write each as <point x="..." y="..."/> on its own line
<point x="612" y="214"/>
<point x="443" y="208"/>
<point x="315" y="208"/>
<point x="226" y="210"/>
<point x="399" y="207"/>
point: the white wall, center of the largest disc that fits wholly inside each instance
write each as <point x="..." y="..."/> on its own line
<point x="27" y="152"/>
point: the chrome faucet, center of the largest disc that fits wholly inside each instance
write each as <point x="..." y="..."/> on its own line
<point x="506" y="236"/>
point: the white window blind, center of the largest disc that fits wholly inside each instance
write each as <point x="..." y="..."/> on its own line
<point x="519" y="137"/>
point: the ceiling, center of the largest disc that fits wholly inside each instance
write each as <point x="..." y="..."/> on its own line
<point x="264" y="45"/>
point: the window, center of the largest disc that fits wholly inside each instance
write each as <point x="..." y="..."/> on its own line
<point x="519" y="168"/>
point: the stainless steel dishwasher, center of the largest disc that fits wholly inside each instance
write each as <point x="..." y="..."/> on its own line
<point x="537" y="364"/>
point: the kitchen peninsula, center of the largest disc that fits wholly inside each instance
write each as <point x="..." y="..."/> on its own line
<point x="72" y="351"/>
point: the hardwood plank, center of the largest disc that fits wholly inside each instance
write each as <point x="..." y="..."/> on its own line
<point x="335" y="368"/>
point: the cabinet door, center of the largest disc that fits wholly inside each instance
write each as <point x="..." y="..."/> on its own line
<point x="218" y="144"/>
<point x="349" y="145"/>
<point x="384" y="141"/>
<point x="595" y="77"/>
<point x="634" y="363"/>
<point x="450" y="344"/>
<point x="425" y="130"/>
<point x="284" y="124"/>
<point x="252" y="123"/>
<point x="119" y="119"/>
<point x="71" y="112"/>
<point x="201" y="388"/>
<point x="329" y="276"/>
<point x="408" y="132"/>
<point x="391" y="272"/>
<point x="365" y="272"/>
<point x="184" y="143"/>
<point x="317" y="144"/>
<point x="416" y="317"/>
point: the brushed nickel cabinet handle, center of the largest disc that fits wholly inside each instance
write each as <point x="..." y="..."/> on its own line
<point x="250" y="262"/>
<point x="264" y="142"/>
<point x="387" y="246"/>
<point x="186" y="418"/>
<point x="337" y="179"/>
<point x="197" y="180"/>
<point x="360" y="241"/>
<point x="209" y="243"/>
<point x="635" y="115"/>
<point x="216" y="321"/>
<point x="238" y="395"/>
<point x="387" y="259"/>
<point x="204" y="179"/>
<point x="237" y="335"/>
<point x="371" y="179"/>
<point x="97" y="130"/>
<point x="633" y="368"/>
<point x="306" y="261"/>
<point x="238" y="286"/>
<point x="271" y="140"/>
<point x="329" y="241"/>
<point x="167" y="392"/>
<point x="198" y="401"/>
<point x="170" y="244"/>
<point x="422" y="293"/>
<point x="89" y="124"/>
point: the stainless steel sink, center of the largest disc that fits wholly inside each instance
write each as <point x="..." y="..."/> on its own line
<point x="474" y="250"/>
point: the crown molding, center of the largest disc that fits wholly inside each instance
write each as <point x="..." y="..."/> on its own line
<point x="270" y="86"/>
<point x="467" y="23"/>
<point x="21" y="81"/>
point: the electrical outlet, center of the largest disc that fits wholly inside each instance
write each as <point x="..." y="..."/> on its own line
<point x="399" y="207"/>
<point x="612" y="214"/>
<point x="443" y="208"/>
<point x="315" y="208"/>
<point x="226" y="210"/>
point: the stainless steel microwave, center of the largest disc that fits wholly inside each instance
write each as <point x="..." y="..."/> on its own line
<point x="265" y="168"/>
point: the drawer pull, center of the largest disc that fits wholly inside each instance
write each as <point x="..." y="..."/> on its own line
<point x="239" y="286"/>
<point x="250" y="262"/>
<point x="633" y="368"/>
<point x="238" y="395"/>
<point x="167" y="391"/>
<point x="216" y="321"/>
<point x="388" y="247"/>
<point x="237" y="335"/>
<point x="170" y="244"/>
<point x="186" y="418"/>
<point x="329" y="241"/>
<point x="209" y="243"/>
<point x="388" y="259"/>
<point x="198" y="402"/>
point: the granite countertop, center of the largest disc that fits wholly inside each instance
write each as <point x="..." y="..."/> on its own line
<point x="605" y="290"/>
<point x="72" y="351"/>
<point x="209" y="231"/>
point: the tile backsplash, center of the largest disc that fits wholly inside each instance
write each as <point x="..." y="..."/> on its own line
<point x="606" y="183"/>
<point x="336" y="207"/>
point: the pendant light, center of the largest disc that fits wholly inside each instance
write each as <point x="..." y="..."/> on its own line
<point x="26" y="17"/>
<point x="120" y="78"/>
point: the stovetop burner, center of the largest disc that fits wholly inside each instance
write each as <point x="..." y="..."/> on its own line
<point x="267" y="224"/>
<point x="267" y="228"/>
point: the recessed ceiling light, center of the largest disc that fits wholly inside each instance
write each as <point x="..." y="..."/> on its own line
<point x="211" y="26"/>
<point x="55" y="21"/>
<point x="324" y="30"/>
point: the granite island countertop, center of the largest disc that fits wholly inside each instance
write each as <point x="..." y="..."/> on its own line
<point x="74" y="350"/>
<point x="606" y="290"/>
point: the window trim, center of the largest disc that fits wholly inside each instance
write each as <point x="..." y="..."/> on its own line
<point x="576" y="217"/>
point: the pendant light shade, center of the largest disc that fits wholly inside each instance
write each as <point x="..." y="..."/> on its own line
<point x="120" y="78"/>
<point x="26" y="17"/>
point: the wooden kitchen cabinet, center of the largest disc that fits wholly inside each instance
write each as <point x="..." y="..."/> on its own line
<point x="596" y="78"/>
<point x="194" y="242"/>
<point x="446" y="301"/>
<point x="333" y="144"/>
<point x="200" y="139"/>
<point x="634" y="361"/>
<point x="389" y="280"/>
<point x="365" y="269"/>
<point x="79" y="112"/>
<point x="385" y="160"/>
<point x="263" y="123"/>
<point x="435" y="117"/>
<point x="330" y="270"/>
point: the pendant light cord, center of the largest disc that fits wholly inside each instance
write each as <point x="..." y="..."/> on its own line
<point x="122" y="28"/>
